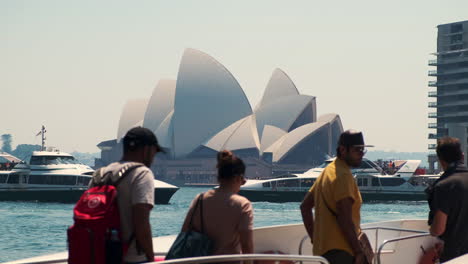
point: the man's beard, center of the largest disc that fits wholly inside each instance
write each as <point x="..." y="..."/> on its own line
<point x="352" y="163"/>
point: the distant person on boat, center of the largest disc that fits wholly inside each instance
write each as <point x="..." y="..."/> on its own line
<point x="136" y="193"/>
<point x="227" y="216"/>
<point x="337" y="202"/>
<point x="448" y="200"/>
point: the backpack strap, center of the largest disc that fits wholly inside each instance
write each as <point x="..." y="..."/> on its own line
<point x="124" y="171"/>
<point x="109" y="178"/>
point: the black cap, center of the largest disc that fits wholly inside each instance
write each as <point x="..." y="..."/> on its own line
<point x="352" y="138"/>
<point x="140" y="136"/>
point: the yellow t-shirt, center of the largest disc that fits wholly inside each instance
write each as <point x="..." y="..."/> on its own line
<point x="335" y="183"/>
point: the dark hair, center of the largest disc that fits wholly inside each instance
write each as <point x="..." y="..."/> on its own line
<point x="229" y="165"/>
<point x="338" y="152"/>
<point x="449" y="149"/>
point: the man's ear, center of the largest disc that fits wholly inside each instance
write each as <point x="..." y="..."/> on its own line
<point x="343" y="149"/>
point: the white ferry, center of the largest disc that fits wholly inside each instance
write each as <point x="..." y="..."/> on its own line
<point x="54" y="176"/>
<point x="373" y="183"/>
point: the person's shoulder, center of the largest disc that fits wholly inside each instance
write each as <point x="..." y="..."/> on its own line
<point x="240" y="199"/>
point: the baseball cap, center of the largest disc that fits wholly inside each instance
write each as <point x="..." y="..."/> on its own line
<point x="140" y="136"/>
<point x="352" y="138"/>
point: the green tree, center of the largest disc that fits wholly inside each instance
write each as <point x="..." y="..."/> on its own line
<point x="6" y="146"/>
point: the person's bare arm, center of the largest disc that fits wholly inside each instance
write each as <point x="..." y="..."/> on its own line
<point x="142" y="227"/>
<point x="306" y="211"/>
<point x="344" y="219"/>
<point x="439" y="223"/>
<point x="246" y="241"/>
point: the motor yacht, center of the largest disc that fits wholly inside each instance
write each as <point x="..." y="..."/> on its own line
<point x="398" y="241"/>
<point x="55" y="176"/>
<point x="371" y="179"/>
<point x="50" y="176"/>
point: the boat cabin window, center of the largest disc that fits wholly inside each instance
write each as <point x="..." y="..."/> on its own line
<point x="307" y="182"/>
<point x="266" y="184"/>
<point x="375" y="182"/>
<point x="52" y="179"/>
<point x="288" y="183"/>
<point x="3" y="178"/>
<point x="362" y="182"/>
<point x="392" y="181"/>
<point x="14" y="178"/>
<point x="52" y="160"/>
<point x="83" y="181"/>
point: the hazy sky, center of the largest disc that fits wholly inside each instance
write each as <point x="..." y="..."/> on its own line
<point x="72" y="65"/>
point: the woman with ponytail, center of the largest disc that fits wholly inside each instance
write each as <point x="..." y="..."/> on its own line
<point x="227" y="216"/>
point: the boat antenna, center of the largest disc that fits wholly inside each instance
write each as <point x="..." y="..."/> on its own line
<point x="42" y="133"/>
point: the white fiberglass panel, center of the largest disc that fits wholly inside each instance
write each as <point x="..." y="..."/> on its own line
<point x="132" y="115"/>
<point x="283" y="112"/>
<point x="270" y="135"/>
<point x="208" y="99"/>
<point x="279" y="85"/>
<point x="160" y="104"/>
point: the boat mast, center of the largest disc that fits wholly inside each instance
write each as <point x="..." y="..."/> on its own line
<point x="42" y="132"/>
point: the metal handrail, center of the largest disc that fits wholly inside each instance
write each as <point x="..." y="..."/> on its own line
<point x="244" y="257"/>
<point x="369" y="228"/>
<point x="48" y="261"/>
<point x="395" y="229"/>
<point x="379" y="251"/>
<point x="302" y="243"/>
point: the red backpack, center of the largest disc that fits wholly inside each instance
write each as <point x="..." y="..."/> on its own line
<point x="95" y="237"/>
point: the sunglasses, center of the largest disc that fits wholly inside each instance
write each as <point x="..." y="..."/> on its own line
<point x="362" y="150"/>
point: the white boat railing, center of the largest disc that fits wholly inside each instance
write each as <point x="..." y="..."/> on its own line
<point x="376" y="235"/>
<point x="247" y="257"/>
<point x="225" y="259"/>
<point x="413" y="243"/>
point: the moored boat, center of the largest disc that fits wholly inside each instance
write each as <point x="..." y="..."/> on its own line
<point x="55" y="176"/>
<point x="373" y="183"/>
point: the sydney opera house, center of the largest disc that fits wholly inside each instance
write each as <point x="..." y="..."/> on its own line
<point x="205" y="110"/>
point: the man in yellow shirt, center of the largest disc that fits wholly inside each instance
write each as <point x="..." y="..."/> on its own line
<point x="337" y="202"/>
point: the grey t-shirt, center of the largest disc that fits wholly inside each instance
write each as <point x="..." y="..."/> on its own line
<point x="136" y="188"/>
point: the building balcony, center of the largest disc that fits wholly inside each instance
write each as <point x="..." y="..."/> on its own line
<point x="445" y="72"/>
<point x="431" y="146"/>
<point x="432" y="125"/>
<point x="461" y="58"/>
<point x="432" y="73"/>
<point x="432" y="136"/>
<point x="449" y="82"/>
<point x="432" y="63"/>
<point x="432" y="94"/>
<point x="432" y="115"/>
<point x="432" y="104"/>
<point x="432" y="83"/>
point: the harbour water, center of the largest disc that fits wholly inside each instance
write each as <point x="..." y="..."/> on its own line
<point x="30" y="229"/>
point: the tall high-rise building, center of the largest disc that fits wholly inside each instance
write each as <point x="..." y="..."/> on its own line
<point x="449" y="111"/>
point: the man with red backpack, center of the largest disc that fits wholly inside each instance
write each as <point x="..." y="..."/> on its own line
<point x="132" y="184"/>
